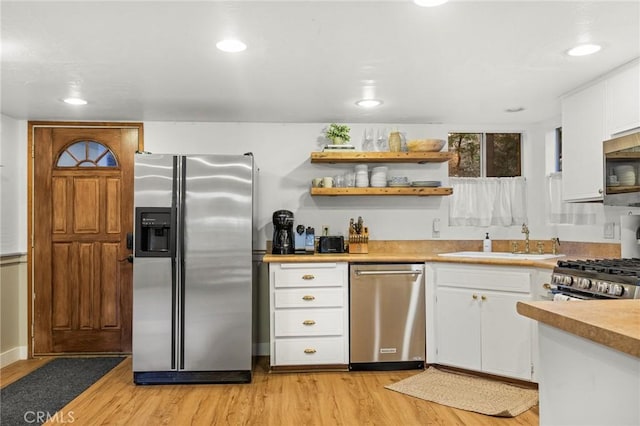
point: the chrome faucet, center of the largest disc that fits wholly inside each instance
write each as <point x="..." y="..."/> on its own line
<point x="525" y="231"/>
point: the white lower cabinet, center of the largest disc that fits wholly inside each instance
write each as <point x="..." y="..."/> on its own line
<point x="477" y="326"/>
<point x="309" y="314"/>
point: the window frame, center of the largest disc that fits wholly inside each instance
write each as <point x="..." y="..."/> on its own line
<point x="483" y="150"/>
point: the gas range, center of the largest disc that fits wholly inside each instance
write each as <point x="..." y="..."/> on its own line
<point x="596" y="279"/>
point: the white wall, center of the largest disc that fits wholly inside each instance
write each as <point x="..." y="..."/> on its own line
<point x="13" y="187"/>
<point x="282" y="153"/>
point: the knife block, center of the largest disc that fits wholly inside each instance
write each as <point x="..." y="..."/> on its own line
<point x="359" y="243"/>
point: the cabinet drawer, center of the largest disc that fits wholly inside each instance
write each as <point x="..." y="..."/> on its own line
<point x="301" y="275"/>
<point x="309" y="298"/>
<point x="489" y="278"/>
<point x="309" y="322"/>
<point x="321" y="350"/>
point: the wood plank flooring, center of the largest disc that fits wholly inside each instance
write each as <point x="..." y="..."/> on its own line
<point x="319" y="398"/>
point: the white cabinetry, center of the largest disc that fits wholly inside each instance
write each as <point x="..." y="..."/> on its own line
<point x="591" y="115"/>
<point x="582" y="136"/>
<point x="309" y="314"/>
<point x="477" y="326"/>
<point x="623" y="100"/>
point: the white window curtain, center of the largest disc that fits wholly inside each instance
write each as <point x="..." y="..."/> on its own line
<point x="559" y="212"/>
<point x="488" y="201"/>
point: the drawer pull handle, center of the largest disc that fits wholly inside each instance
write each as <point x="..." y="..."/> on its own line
<point x="308" y="277"/>
<point x="308" y="297"/>
<point x="308" y="322"/>
<point x="309" y="351"/>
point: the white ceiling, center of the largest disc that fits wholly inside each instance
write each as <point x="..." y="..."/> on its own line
<point x="307" y="61"/>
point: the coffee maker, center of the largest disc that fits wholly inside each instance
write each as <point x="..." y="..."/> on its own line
<point x="282" y="232"/>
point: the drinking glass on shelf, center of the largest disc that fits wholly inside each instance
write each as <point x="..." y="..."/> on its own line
<point x="350" y="179"/>
<point x="381" y="140"/>
<point x="338" y="181"/>
<point x="367" y="142"/>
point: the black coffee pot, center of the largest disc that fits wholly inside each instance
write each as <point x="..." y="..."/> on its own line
<point x="283" y="232"/>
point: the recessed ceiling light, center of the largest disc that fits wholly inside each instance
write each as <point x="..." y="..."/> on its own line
<point x="514" y="109"/>
<point x="369" y="103"/>
<point x="75" y="101"/>
<point x="584" y="49"/>
<point x="231" y="45"/>
<point x="429" y="3"/>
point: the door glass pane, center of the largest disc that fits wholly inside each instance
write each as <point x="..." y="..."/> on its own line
<point x="66" y="160"/>
<point x="108" y="160"/>
<point x="87" y="154"/>
<point x="78" y="150"/>
<point x="95" y="150"/>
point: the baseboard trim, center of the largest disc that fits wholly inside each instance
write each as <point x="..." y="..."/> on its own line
<point x="261" y="349"/>
<point x="13" y="355"/>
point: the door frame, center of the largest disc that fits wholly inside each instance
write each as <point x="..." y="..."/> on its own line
<point x="31" y="126"/>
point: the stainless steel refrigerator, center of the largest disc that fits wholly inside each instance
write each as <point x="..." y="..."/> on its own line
<point x="192" y="269"/>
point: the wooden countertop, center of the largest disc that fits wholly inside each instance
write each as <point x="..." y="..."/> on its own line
<point x="613" y="323"/>
<point x="408" y="251"/>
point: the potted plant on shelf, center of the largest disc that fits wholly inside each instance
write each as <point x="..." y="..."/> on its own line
<point x="338" y="134"/>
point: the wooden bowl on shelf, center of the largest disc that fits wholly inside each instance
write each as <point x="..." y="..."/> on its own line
<point x="425" y="145"/>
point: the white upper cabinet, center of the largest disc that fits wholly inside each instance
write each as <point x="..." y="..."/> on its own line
<point x="623" y="100"/>
<point x="583" y="131"/>
<point x="591" y="115"/>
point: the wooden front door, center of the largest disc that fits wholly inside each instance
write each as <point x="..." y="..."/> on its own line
<point x="82" y="211"/>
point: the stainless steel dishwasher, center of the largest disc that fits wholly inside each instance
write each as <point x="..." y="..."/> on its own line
<point x="387" y="316"/>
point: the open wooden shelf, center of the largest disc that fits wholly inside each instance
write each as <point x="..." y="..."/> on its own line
<point x="380" y="157"/>
<point x="622" y="189"/>
<point x="623" y="156"/>
<point x="417" y="191"/>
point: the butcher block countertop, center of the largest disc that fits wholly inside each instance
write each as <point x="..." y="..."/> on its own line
<point x="612" y="323"/>
<point x="408" y="251"/>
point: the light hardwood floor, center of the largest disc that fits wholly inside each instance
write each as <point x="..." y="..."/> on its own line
<point x="320" y="398"/>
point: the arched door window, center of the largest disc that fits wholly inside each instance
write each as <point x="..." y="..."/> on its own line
<point x="87" y="154"/>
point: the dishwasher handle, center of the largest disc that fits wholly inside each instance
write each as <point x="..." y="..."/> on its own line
<point x="382" y="272"/>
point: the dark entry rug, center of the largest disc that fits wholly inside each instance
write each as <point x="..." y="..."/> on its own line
<point x="36" y="398"/>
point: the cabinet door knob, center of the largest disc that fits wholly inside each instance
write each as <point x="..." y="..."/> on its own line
<point x="600" y="191"/>
<point x="309" y="351"/>
<point x="475" y="297"/>
<point x="484" y="297"/>
<point x="308" y="322"/>
<point x="546" y="286"/>
<point x="308" y="297"/>
<point x="307" y="277"/>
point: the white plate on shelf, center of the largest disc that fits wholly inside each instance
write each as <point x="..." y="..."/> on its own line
<point x="432" y="183"/>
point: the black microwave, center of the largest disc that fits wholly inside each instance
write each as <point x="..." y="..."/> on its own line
<point x="622" y="171"/>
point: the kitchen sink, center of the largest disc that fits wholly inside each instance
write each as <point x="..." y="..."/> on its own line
<point x="501" y="255"/>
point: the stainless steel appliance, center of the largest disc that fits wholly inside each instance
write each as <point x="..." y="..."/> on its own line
<point x="622" y="171"/>
<point x="387" y="316"/>
<point x="605" y="279"/>
<point x="192" y="271"/>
